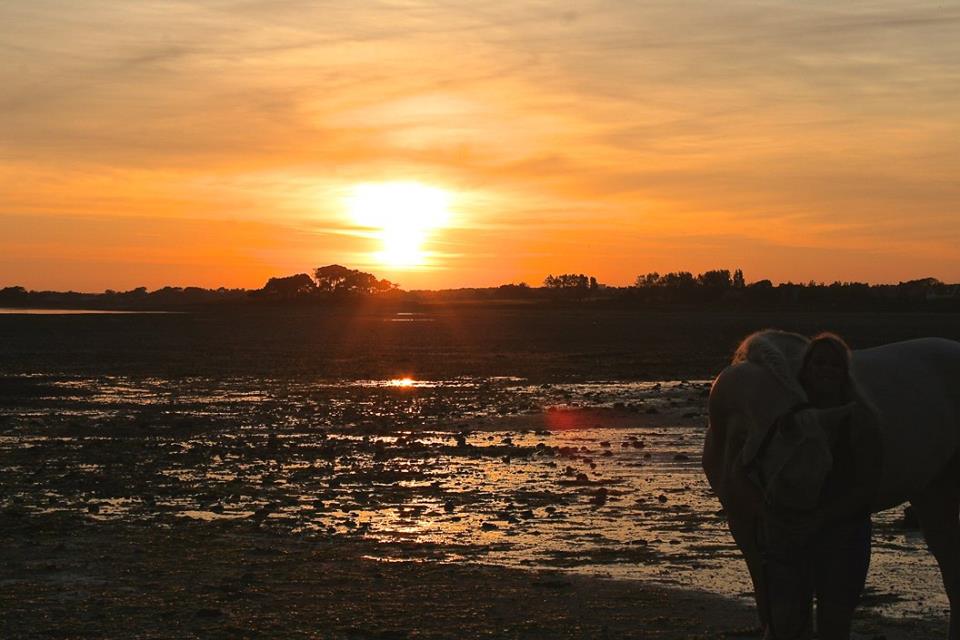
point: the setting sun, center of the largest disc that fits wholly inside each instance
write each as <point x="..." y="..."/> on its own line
<point x="404" y="214"/>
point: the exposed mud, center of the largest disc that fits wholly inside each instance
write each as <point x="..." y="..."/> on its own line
<point x="599" y="479"/>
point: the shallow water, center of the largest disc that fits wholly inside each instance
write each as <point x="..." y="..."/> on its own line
<point x="480" y="469"/>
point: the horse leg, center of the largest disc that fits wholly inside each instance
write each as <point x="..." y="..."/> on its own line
<point x="938" y="508"/>
<point x="743" y="518"/>
<point x="744" y="531"/>
<point x="841" y="560"/>
<point x="739" y="497"/>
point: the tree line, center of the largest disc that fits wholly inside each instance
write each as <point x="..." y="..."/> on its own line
<point x="723" y="288"/>
<point x="715" y="288"/>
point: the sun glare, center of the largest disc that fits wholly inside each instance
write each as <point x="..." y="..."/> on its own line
<point x="404" y="214"/>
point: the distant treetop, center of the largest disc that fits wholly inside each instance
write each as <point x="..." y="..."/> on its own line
<point x="335" y="278"/>
<point x="570" y="281"/>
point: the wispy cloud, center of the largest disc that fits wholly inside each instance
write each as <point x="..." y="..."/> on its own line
<point x="813" y="126"/>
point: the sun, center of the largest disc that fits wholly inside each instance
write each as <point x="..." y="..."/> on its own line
<point x="403" y="215"/>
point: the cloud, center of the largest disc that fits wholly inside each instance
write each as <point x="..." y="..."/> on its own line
<point x="743" y="120"/>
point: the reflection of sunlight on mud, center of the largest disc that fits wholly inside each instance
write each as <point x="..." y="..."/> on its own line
<point x="420" y="467"/>
<point x="407" y="316"/>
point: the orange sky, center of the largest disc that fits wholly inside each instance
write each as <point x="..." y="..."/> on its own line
<point x="213" y="143"/>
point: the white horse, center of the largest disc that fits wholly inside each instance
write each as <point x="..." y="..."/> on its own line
<point x="912" y="389"/>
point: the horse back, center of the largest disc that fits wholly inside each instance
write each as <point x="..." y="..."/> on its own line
<point x="915" y="387"/>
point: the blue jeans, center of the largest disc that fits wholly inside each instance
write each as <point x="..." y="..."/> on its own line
<point x="803" y="560"/>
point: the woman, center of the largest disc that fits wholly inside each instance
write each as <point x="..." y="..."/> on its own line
<point x="824" y="551"/>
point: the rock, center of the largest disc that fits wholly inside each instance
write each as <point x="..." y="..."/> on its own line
<point x="661" y="498"/>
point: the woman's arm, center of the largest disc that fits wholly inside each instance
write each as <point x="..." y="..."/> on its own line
<point x="857" y="498"/>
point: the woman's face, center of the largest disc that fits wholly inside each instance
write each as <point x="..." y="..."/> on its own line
<point x="825" y="371"/>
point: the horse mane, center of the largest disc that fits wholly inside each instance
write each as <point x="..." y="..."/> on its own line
<point x="780" y="353"/>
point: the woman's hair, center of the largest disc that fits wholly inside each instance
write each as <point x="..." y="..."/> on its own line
<point x="849" y="390"/>
<point x="832" y="341"/>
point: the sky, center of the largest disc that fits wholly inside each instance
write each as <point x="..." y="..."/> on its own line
<point x="219" y="143"/>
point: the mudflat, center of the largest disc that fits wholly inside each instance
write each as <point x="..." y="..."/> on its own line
<point x="467" y="472"/>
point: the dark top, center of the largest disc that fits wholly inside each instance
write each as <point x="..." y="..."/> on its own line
<point x="842" y="477"/>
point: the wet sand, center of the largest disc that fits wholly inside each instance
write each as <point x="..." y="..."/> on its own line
<point x="64" y="577"/>
<point x="144" y="496"/>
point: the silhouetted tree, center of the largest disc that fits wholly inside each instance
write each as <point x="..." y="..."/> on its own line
<point x="332" y="277"/>
<point x="567" y="281"/>
<point x="678" y="280"/>
<point x="289" y="286"/>
<point x="13" y="295"/>
<point x="651" y="279"/>
<point x="920" y="283"/>
<point x="716" y="279"/>
<point x="335" y="278"/>
<point x="520" y="290"/>
<point x="738" y="281"/>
